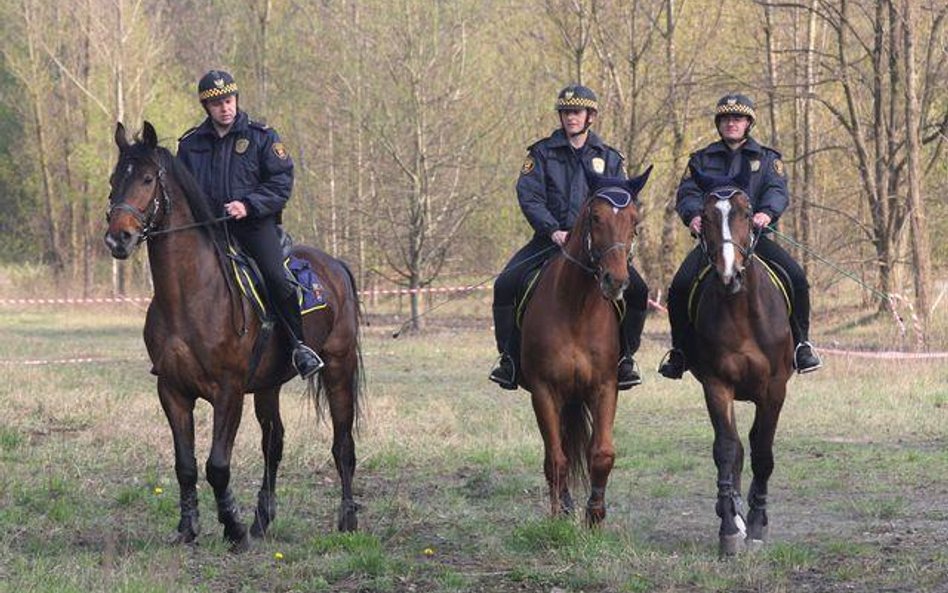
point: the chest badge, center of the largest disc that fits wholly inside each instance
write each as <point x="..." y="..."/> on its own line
<point x="755" y="166"/>
<point x="241" y="145"/>
<point x="599" y="165"/>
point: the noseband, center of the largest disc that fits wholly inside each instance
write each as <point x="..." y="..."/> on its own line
<point x="147" y="219"/>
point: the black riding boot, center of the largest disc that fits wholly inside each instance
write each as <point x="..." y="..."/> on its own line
<point x="673" y="364"/>
<point x="505" y="373"/>
<point x="630" y="339"/>
<point x="805" y="358"/>
<point x="305" y="360"/>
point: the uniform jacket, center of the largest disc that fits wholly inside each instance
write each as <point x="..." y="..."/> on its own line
<point x="552" y="184"/>
<point x="248" y="164"/>
<point x="768" y="183"/>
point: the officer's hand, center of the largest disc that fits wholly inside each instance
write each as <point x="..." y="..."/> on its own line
<point x="695" y="225"/>
<point x="559" y="237"/>
<point x="237" y="209"/>
<point x="761" y="219"/>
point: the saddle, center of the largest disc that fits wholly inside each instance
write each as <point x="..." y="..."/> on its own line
<point x="309" y="289"/>
<point x="777" y="275"/>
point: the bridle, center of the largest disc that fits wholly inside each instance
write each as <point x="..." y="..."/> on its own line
<point x="149" y="218"/>
<point x="747" y="252"/>
<point x="593" y="256"/>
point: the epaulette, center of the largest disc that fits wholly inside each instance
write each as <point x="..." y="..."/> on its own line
<point x="773" y="150"/>
<point x="260" y="125"/>
<point x="532" y="146"/>
<point x="188" y="133"/>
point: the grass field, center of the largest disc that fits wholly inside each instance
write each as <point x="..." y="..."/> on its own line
<point x="450" y="477"/>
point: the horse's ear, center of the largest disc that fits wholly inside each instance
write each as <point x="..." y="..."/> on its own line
<point x="149" y="136"/>
<point x="121" y="138"/>
<point x="636" y="184"/>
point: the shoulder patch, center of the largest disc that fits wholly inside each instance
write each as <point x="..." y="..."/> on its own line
<point x="280" y="151"/>
<point x="778" y="167"/>
<point x="527" y="166"/>
<point x="188" y="133"/>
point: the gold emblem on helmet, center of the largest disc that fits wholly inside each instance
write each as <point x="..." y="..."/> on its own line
<point x="219" y="82"/>
<point x="568" y="95"/>
<point x="599" y="165"/>
<point x="241" y="145"/>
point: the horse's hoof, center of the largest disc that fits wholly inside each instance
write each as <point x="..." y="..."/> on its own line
<point x="183" y="538"/>
<point x="240" y="546"/>
<point x="236" y="535"/>
<point x="348" y="516"/>
<point x="730" y="545"/>
<point x="595" y="515"/>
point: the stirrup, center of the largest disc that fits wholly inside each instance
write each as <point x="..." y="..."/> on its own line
<point x="634" y="376"/>
<point x="672" y="365"/>
<point x="815" y="362"/>
<point x="505" y="373"/>
<point x="306" y="362"/>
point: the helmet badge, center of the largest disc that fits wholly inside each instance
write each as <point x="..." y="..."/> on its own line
<point x="219" y="82"/>
<point x="732" y="101"/>
<point x="568" y="95"/>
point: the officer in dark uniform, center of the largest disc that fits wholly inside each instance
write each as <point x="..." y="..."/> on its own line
<point x="734" y="117"/>
<point x="246" y="173"/>
<point x="551" y="188"/>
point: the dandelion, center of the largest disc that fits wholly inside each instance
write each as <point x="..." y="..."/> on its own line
<point x="278" y="556"/>
<point x="159" y="489"/>
<point x="428" y="552"/>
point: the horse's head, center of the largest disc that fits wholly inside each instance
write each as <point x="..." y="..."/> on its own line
<point x="138" y="199"/>
<point x="727" y="231"/>
<point x="608" y="223"/>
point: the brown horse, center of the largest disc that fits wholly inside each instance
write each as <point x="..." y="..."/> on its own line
<point x="201" y="336"/>
<point x="570" y="344"/>
<point x="742" y="350"/>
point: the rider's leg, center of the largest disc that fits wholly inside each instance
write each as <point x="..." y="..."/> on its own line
<point x="636" y="299"/>
<point x="260" y="238"/>
<point x="674" y="364"/>
<point x="805" y="358"/>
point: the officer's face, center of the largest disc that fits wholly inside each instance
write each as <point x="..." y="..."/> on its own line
<point x="573" y="120"/>
<point x="222" y="111"/>
<point x="733" y="127"/>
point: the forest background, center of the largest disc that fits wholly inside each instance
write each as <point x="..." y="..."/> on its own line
<point x="408" y="121"/>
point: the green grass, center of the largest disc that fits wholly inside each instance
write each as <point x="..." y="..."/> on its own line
<point x="450" y="478"/>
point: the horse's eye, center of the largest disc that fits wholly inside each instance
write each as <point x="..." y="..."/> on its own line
<point x="148" y="179"/>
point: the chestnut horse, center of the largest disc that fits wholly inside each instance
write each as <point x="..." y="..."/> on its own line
<point x="742" y="350"/>
<point x="570" y="344"/>
<point x="201" y="336"/>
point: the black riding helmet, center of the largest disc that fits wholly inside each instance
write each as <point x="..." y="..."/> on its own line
<point x="576" y="96"/>
<point x="216" y="84"/>
<point x="735" y="104"/>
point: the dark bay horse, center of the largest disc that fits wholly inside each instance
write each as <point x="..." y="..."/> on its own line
<point x="570" y="344"/>
<point x="201" y="336"/>
<point x="742" y="350"/>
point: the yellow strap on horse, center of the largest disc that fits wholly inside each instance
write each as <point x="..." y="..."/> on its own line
<point x="693" y="292"/>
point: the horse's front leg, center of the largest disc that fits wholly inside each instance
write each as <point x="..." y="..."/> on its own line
<point x="340" y="380"/>
<point x="179" y="409"/>
<point x="720" y="402"/>
<point x="228" y="407"/>
<point x="601" y="454"/>
<point x="762" y="463"/>
<point x="266" y="406"/>
<point x="555" y="463"/>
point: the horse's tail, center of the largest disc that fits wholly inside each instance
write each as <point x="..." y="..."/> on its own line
<point x="576" y="428"/>
<point x="358" y="373"/>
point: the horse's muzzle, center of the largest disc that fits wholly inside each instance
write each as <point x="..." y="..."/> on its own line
<point x="611" y="287"/>
<point x="121" y="244"/>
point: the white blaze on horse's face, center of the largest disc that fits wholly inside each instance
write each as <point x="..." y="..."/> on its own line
<point x="727" y="247"/>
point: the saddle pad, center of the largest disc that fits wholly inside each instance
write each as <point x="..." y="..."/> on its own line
<point x="780" y="279"/>
<point x="308" y="286"/>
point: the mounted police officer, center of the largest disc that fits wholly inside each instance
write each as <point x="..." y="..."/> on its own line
<point x="551" y="188"/>
<point x="246" y="174"/>
<point x="734" y="117"/>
